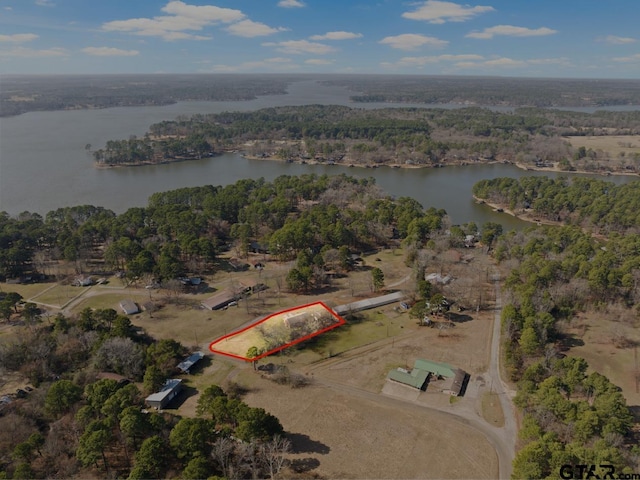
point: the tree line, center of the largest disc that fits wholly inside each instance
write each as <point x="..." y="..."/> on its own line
<point x="395" y="135"/>
<point x="594" y="204"/>
<point x="25" y="93"/>
<point x="570" y="416"/>
<point x="183" y="231"/>
<point x="538" y="92"/>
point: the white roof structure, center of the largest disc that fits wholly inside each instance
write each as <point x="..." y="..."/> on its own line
<point x="129" y="307"/>
<point x="369" y="303"/>
<point x="190" y="362"/>
<point x="169" y="390"/>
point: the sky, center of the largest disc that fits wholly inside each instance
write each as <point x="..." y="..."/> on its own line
<point x="516" y="38"/>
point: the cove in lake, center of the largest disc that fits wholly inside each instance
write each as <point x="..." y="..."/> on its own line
<point x="44" y="164"/>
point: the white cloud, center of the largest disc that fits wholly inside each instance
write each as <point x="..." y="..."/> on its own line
<point x="614" y="40"/>
<point x="45" y="3"/>
<point x="504" y="62"/>
<point x="435" y="11"/>
<point x="23" y="52"/>
<point x="110" y="52"/>
<point x="629" y="59"/>
<point x="422" y="61"/>
<point x="205" y="13"/>
<point x="182" y="18"/>
<point x="511" y="31"/>
<point x="297" y="47"/>
<point x="18" y="37"/>
<point x="290" y="4"/>
<point x="475" y="62"/>
<point x="318" y="61"/>
<point x="412" y="41"/>
<point x="336" y="36"/>
<point x="250" y="29"/>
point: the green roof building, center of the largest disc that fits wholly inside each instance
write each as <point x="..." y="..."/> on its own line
<point x="439" y="369"/>
<point x="416" y="378"/>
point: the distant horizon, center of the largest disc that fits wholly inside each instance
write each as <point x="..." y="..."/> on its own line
<point x="313" y="74"/>
<point x="487" y="38"/>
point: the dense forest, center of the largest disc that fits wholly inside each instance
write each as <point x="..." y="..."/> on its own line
<point x="398" y="136"/>
<point x="520" y="92"/>
<point x="597" y="205"/>
<point x="21" y="94"/>
<point x="182" y="231"/>
<point x="554" y="273"/>
<point x="85" y="416"/>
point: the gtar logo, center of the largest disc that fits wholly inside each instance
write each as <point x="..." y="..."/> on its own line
<point x="595" y="472"/>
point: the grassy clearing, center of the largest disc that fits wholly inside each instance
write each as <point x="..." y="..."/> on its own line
<point x="60" y="295"/>
<point x="595" y="337"/>
<point x="612" y="144"/>
<point x="27" y="291"/>
<point x="491" y="409"/>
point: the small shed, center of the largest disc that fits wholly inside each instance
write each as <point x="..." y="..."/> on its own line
<point x="82" y="282"/>
<point x="186" y="364"/>
<point x="169" y="391"/>
<point x="455" y="386"/>
<point x="436" y="278"/>
<point x="129" y="307"/>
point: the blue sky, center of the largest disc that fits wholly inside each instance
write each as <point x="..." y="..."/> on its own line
<point x="526" y="38"/>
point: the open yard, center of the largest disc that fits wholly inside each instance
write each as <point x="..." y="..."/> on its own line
<point x="611" y="348"/>
<point x="344" y="435"/>
<point x="614" y="145"/>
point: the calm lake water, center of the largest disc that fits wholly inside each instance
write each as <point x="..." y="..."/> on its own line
<point x="44" y="164"/>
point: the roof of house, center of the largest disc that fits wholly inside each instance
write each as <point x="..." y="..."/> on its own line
<point x="129" y="307"/>
<point x="416" y="378"/>
<point x="437" y="278"/>
<point x="439" y="369"/>
<point x="220" y="299"/>
<point x="168" y="387"/>
<point x="194" y="358"/>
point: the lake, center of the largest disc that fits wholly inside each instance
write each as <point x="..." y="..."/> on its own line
<point x="44" y="164"/>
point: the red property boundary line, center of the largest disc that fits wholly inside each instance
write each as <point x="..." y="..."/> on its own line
<point x="341" y="321"/>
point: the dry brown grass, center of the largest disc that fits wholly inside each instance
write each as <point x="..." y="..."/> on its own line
<point x="492" y="410"/>
<point x="612" y="144"/>
<point x="595" y="337"/>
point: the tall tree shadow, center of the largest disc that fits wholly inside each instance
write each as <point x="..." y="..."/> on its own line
<point x="301" y="443"/>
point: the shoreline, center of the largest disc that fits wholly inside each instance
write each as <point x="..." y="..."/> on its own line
<point x="526" y="217"/>
<point x="459" y="163"/>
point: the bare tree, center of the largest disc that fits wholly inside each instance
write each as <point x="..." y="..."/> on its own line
<point x="222" y="453"/>
<point x="273" y="453"/>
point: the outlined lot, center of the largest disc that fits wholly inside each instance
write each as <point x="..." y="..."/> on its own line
<point x="278" y="331"/>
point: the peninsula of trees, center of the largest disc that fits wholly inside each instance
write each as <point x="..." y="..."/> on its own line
<point x="394" y="136"/>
